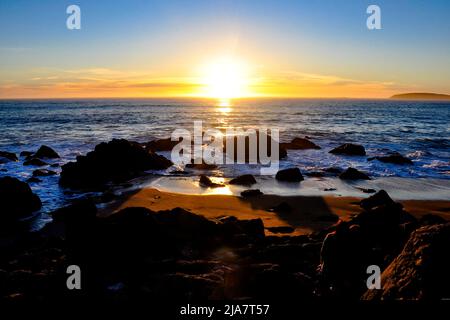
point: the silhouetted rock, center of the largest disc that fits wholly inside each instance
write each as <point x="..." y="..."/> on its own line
<point x="9" y="155"/>
<point x="331" y="217"/>
<point x="395" y="158"/>
<point x="430" y="219"/>
<point x="161" y="145"/>
<point x="16" y="199"/>
<point x="420" y="271"/>
<point x="207" y="182"/>
<point x="315" y="174"/>
<point x="26" y="153"/>
<point x="349" y="149"/>
<point x="35" y="162"/>
<point x="115" y="161"/>
<point x="353" y="174"/>
<point x="281" y="229"/>
<point x="289" y="175"/>
<point x="43" y="173"/>
<point x="244" y="180"/>
<point x="251" y="193"/>
<point x="46" y="152"/>
<point x="378" y="199"/>
<point x="299" y="144"/>
<point x="79" y="212"/>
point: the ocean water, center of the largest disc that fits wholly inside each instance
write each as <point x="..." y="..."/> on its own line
<point x="418" y="130"/>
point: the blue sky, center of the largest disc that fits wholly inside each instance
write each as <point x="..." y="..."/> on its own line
<point x="165" y="39"/>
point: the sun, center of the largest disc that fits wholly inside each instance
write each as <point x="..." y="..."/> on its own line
<point x="225" y="79"/>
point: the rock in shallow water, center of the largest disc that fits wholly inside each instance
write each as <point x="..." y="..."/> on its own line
<point x="207" y="182"/>
<point x="116" y="161"/>
<point x="9" y="155"/>
<point x="244" y="180"/>
<point x="353" y="174"/>
<point x="349" y="149"/>
<point x="289" y="175"/>
<point x="395" y="158"/>
<point x="16" y="199"/>
<point x="251" y="193"/>
<point x="299" y="144"/>
<point x="46" y="152"/>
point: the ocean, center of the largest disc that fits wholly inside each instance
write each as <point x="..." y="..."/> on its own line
<point x="418" y="130"/>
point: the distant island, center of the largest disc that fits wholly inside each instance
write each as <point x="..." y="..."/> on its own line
<point x="421" y="96"/>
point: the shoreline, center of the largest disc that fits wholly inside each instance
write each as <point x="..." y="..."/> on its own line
<point x="307" y="214"/>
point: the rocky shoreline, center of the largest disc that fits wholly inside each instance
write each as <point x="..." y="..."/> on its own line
<point x="178" y="254"/>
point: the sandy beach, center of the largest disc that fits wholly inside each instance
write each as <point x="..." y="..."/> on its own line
<point x="308" y="214"/>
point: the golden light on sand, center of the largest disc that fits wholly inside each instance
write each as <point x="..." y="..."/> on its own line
<point x="225" y="79"/>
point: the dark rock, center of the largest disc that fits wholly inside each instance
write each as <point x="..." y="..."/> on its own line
<point x="17" y="199"/>
<point x="430" y="219"/>
<point x="46" y="152"/>
<point x="43" y="173"/>
<point x="272" y="282"/>
<point x="115" y="161"/>
<point x="206" y="182"/>
<point x="9" y="155"/>
<point x="281" y="208"/>
<point x="244" y="180"/>
<point x="353" y="174"/>
<point x="35" y="162"/>
<point x="381" y="198"/>
<point x="420" y="271"/>
<point x="79" y="212"/>
<point x="281" y="229"/>
<point x="331" y="217"/>
<point x="26" y="153"/>
<point x="33" y="180"/>
<point x="253" y="227"/>
<point x="289" y="175"/>
<point x="349" y="149"/>
<point x="55" y="165"/>
<point x="329" y="189"/>
<point x="251" y="193"/>
<point x="3" y="170"/>
<point x="299" y="144"/>
<point x="395" y="158"/>
<point x="161" y="145"/>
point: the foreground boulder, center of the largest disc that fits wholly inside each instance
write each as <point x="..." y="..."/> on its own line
<point x="244" y="180"/>
<point x="378" y="199"/>
<point x="395" y="158"/>
<point x="116" y="161"/>
<point x="374" y="236"/>
<point x="16" y="199"/>
<point x="349" y="149"/>
<point x="289" y="175"/>
<point x="420" y="271"/>
<point x="353" y="174"/>
<point x="300" y="144"/>
<point x="46" y="152"/>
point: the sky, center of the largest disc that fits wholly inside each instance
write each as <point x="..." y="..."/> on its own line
<point x="223" y="48"/>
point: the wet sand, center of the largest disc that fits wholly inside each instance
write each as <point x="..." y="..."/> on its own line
<point x="308" y="214"/>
